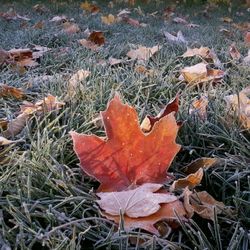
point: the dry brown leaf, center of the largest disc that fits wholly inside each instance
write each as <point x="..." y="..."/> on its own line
<point x="204" y="205"/>
<point x="40" y="8"/>
<point x="114" y="61"/>
<point x="58" y="19"/>
<point x="5" y="142"/>
<point x="205" y="53"/>
<point x="226" y="19"/>
<point x="240" y="104"/>
<point x="242" y="26"/>
<point x="199" y="73"/>
<point x="246" y="60"/>
<point x="191" y="181"/>
<point x="180" y="20"/>
<point x="234" y="52"/>
<point x="203" y="163"/>
<point x="139" y="202"/>
<point x="143" y="53"/>
<point x="143" y="70"/>
<point x="202" y="52"/>
<point x="8" y="91"/>
<point x="74" y="81"/>
<point x="131" y="21"/>
<point x="149" y="121"/>
<point x="94" y="41"/>
<point x="38" y="25"/>
<point x="167" y="212"/>
<point x="70" y="28"/>
<point x="16" y="125"/>
<point x="247" y="38"/>
<point x="12" y="15"/>
<point x="199" y="107"/>
<point x="179" y="38"/>
<point x="90" y="7"/>
<point x="110" y="19"/>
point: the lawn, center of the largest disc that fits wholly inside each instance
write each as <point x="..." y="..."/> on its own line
<point x="46" y="201"/>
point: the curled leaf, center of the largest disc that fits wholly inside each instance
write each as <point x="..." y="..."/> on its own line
<point x="191" y="181"/>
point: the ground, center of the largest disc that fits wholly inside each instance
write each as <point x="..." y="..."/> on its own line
<point x="45" y="200"/>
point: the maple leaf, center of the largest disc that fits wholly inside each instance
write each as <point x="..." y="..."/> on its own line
<point x="128" y="156"/>
<point x="167" y="212"/>
<point x="139" y="202"/>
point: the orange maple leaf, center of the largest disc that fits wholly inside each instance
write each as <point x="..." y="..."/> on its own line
<point x="128" y="157"/>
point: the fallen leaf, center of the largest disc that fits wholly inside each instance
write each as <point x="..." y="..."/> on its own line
<point x="5" y="142"/>
<point x="168" y="12"/>
<point x="203" y="163"/>
<point x="74" y="81"/>
<point x="167" y="212"/>
<point x="242" y="26"/>
<point x="128" y="156"/>
<point x="199" y="73"/>
<point x="143" y="53"/>
<point x="110" y="19"/>
<point x="191" y="181"/>
<point x="90" y="7"/>
<point x="94" y="41"/>
<point x="180" y="20"/>
<point x="58" y="19"/>
<point x="16" y="125"/>
<point x="226" y="19"/>
<point x="192" y="25"/>
<point x="12" y="15"/>
<point x="8" y="91"/>
<point x="40" y="8"/>
<point x="149" y="121"/>
<point x="199" y="107"/>
<point x="114" y="61"/>
<point x="70" y="28"/>
<point x="203" y="52"/>
<point x="38" y="25"/>
<point x="247" y="38"/>
<point x="240" y="104"/>
<point x="234" y="52"/>
<point x="139" y="202"/>
<point x="205" y="205"/>
<point x="179" y="38"/>
<point x="246" y="60"/>
<point x="143" y="70"/>
<point x="131" y="21"/>
<point x="97" y="37"/>
<point x="124" y="12"/>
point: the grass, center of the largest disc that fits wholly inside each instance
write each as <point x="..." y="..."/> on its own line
<point x="45" y="200"/>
